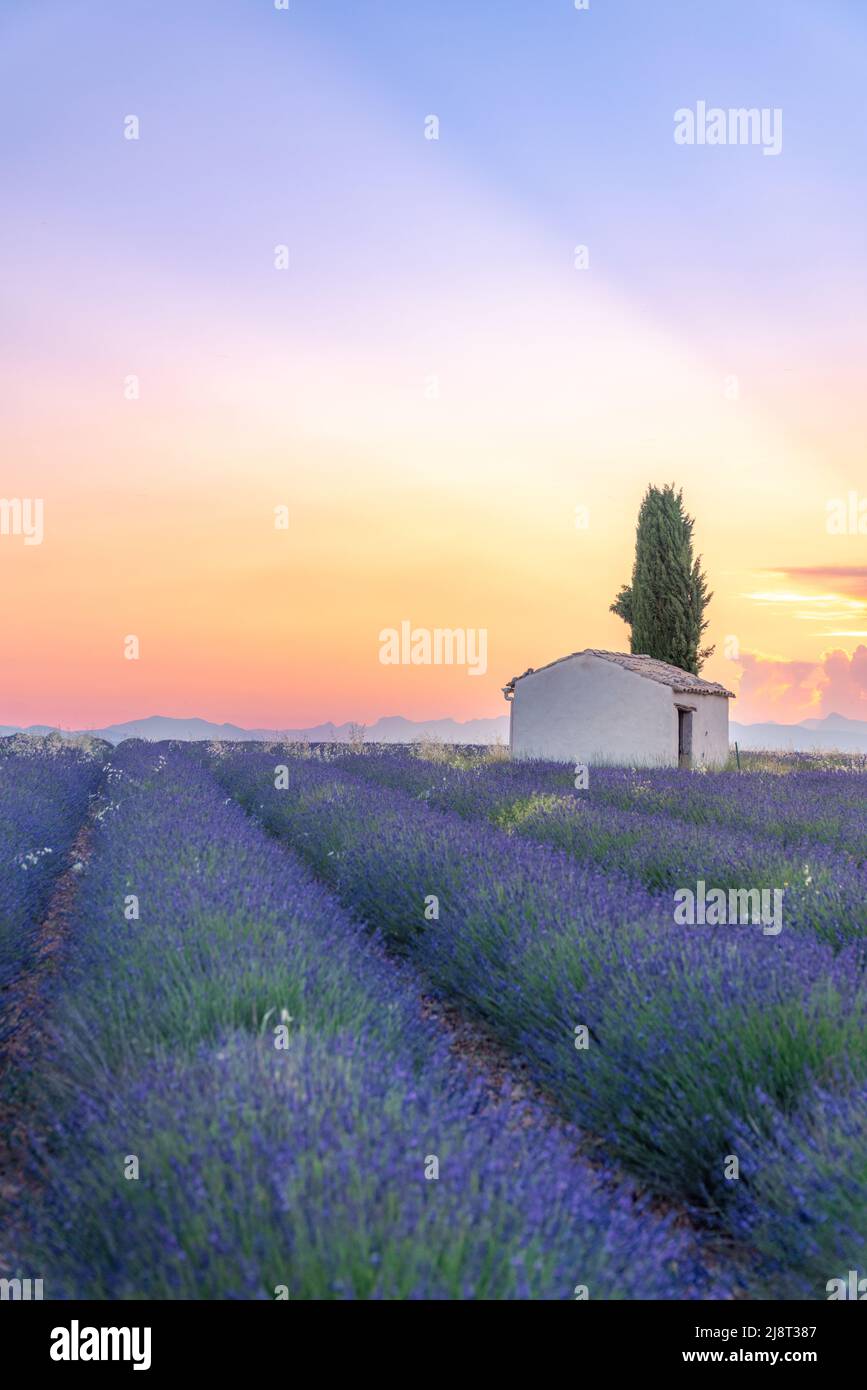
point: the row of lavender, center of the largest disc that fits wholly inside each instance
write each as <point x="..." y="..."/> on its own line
<point x="802" y="801"/>
<point x="804" y="835"/>
<point x="724" y="1070"/>
<point x="44" y="791"/>
<point x="803" y="806"/>
<point x="242" y="1099"/>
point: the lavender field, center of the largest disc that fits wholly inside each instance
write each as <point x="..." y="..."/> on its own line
<point x="334" y="1023"/>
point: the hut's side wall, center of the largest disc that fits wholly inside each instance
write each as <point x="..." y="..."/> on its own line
<point x="710" y="727"/>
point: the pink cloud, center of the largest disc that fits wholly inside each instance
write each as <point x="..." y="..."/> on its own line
<point x="788" y="691"/>
<point x="846" y="689"/>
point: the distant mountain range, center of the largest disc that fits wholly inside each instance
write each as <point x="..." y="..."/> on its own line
<point x="392" y="729"/>
<point x="834" y="733"/>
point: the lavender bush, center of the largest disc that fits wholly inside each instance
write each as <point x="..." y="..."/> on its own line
<point x="44" y="790"/>
<point x="728" y="830"/>
<point x="301" y="1167"/>
<point x="802" y="1200"/>
<point x="687" y="1027"/>
<point x="305" y="1171"/>
<point x="194" y="939"/>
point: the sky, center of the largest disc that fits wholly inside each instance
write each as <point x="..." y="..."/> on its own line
<point x="285" y="372"/>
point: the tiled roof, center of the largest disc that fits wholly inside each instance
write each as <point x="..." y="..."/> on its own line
<point x="681" y="681"/>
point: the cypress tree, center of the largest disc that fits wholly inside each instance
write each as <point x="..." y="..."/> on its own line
<point x="665" y="603"/>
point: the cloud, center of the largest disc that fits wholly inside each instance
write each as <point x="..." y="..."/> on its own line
<point x="850" y="580"/>
<point x="788" y="691"/>
<point x="835" y="595"/>
<point x="828" y="572"/>
<point x="846" y="689"/>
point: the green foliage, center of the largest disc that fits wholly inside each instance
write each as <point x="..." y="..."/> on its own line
<point x="665" y="603"/>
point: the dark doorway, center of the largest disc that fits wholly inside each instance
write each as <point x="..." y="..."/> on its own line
<point x="684" y="737"/>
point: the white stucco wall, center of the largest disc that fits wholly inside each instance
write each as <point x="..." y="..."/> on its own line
<point x="587" y="709"/>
